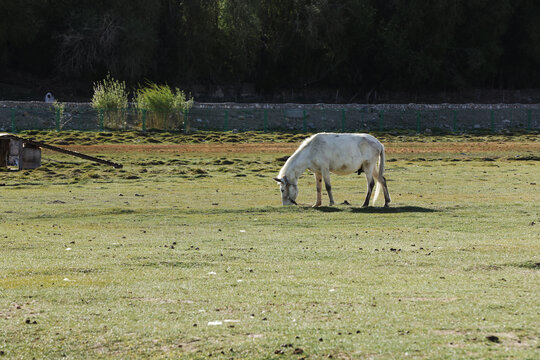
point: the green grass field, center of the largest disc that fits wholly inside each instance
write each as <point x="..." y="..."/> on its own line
<point x="190" y="255"/>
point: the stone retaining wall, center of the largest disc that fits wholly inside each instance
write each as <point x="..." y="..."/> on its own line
<point x="286" y="117"/>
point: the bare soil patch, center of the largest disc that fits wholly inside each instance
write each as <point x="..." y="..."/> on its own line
<point x="391" y="148"/>
<point x="462" y="147"/>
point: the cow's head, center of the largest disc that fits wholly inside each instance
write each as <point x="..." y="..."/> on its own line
<point x="289" y="191"/>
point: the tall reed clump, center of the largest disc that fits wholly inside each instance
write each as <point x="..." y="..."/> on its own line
<point x="111" y="100"/>
<point x="162" y="107"/>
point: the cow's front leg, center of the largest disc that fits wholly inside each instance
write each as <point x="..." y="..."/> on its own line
<point x="318" y="184"/>
<point x="326" y="177"/>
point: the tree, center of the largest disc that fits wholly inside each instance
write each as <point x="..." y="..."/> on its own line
<point x="200" y="56"/>
<point x="521" y="59"/>
<point x="100" y="38"/>
<point x="364" y="44"/>
<point x="241" y="29"/>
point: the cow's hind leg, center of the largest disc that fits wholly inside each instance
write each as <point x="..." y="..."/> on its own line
<point x="326" y="177"/>
<point x="385" y="191"/>
<point x="318" y="184"/>
<point x="381" y="183"/>
<point x="370" y="185"/>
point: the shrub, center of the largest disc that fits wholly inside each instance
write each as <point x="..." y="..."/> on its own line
<point x="59" y="109"/>
<point x="111" y="99"/>
<point x="164" y="108"/>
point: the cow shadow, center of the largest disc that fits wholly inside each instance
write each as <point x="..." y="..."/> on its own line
<point x="376" y="210"/>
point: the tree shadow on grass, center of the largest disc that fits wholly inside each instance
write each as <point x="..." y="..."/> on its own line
<point x="377" y="210"/>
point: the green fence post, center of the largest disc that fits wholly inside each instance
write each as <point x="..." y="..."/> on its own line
<point x="381" y="121"/>
<point x="304" y="120"/>
<point x="144" y="113"/>
<point x="418" y="122"/>
<point x="511" y="116"/>
<point x="529" y="120"/>
<point x="342" y="120"/>
<point x="57" y="119"/>
<point x="13" y="128"/>
<point x="265" y="120"/>
<point x="492" y="121"/>
<point x="226" y="121"/>
<point x="186" y="121"/>
<point x="454" y="125"/>
<point x="101" y="119"/>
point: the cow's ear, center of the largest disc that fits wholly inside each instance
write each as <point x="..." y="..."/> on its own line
<point x="279" y="180"/>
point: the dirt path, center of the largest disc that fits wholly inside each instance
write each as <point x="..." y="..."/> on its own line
<point x="286" y="148"/>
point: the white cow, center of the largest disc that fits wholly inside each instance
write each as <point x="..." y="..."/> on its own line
<point x="340" y="154"/>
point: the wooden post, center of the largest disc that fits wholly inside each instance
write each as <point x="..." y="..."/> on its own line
<point x="144" y="114"/>
<point x="186" y="123"/>
<point x="57" y="119"/>
<point x="304" y="125"/>
<point x="13" y="128"/>
<point x="342" y="120"/>
<point x="265" y="120"/>
<point x="73" y="153"/>
<point x="492" y="121"/>
<point x="100" y="119"/>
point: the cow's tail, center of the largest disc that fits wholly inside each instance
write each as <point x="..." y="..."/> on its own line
<point x="379" y="174"/>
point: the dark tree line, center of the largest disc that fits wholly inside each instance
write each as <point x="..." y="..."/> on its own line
<point x="368" y="44"/>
